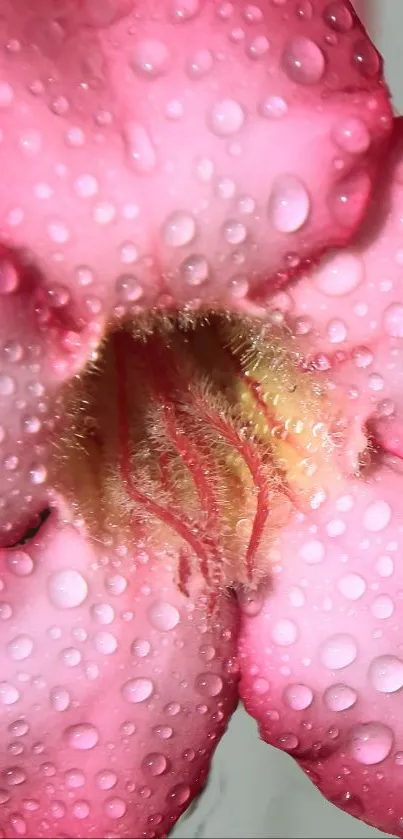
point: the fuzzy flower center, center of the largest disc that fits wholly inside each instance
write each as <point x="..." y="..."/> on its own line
<point x="197" y="436"/>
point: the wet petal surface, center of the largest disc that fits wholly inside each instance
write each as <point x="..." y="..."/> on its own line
<point x="114" y="690"/>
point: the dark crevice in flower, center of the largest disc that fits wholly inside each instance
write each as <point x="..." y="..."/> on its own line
<point x="195" y="435"/>
<point x="33" y="528"/>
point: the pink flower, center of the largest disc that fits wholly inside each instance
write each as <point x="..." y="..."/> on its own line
<point x="224" y="491"/>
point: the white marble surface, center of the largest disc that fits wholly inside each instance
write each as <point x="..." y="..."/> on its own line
<point x="255" y="791"/>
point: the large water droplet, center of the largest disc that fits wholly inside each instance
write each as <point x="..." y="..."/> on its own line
<point x="340" y="274"/>
<point x="155" y="764"/>
<point x="339" y="697"/>
<point x="289" y="204"/>
<point x="83" y="736"/>
<point x="352" y="586"/>
<point x="20" y="647"/>
<point x="371" y="742"/>
<point x="195" y="270"/>
<point x="208" y="684"/>
<point x="339" y="651"/>
<point x="284" y="632"/>
<point x="67" y="588"/>
<point x="163" y="616"/>
<point x="115" y="807"/>
<point x="150" y="58"/>
<point x="303" y="61"/>
<point x="137" y="690"/>
<point x="9" y="694"/>
<point x="60" y="698"/>
<point x="386" y="673"/>
<point x="298" y="697"/>
<point x="179" y="229"/>
<point x="377" y="516"/>
<point x="227" y="117"/>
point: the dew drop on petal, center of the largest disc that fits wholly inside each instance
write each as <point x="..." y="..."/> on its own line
<point x="370" y="743"/>
<point x="67" y="588"/>
<point x="106" y="779"/>
<point x="208" y="684"/>
<point x="339" y="697"/>
<point x="60" y="698"/>
<point x="303" y="61"/>
<point x="137" y="690"/>
<point x="386" y="674"/>
<point x="377" y="516"/>
<point x="352" y="586"/>
<point x="298" y="697"/>
<point x="155" y="764"/>
<point x="179" y="230"/>
<point x="339" y="651"/>
<point x="163" y="616"/>
<point x="340" y="274"/>
<point x="393" y="320"/>
<point x="115" y="808"/>
<point x="284" y="632"/>
<point x="289" y="204"/>
<point x="82" y="737"/>
<point x="227" y="117"/>
<point x="150" y="58"/>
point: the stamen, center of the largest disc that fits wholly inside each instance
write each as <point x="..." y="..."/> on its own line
<point x="181" y="438"/>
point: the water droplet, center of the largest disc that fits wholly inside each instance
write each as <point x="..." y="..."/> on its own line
<point x="128" y="288"/>
<point x="163" y="616"/>
<point x="260" y="686"/>
<point x="208" y="684"/>
<point x="200" y="63"/>
<point x="195" y="270"/>
<point x="258" y="47"/>
<point x="370" y="743"/>
<point x="274" y="107"/>
<point x="20" y="563"/>
<point x="352" y="586"/>
<point x="137" y="690"/>
<point x="155" y="764"/>
<point x="9" y="694"/>
<point x="235" y="232"/>
<point x="81" y="809"/>
<point x="184" y="10"/>
<point x="298" y="697"/>
<point x="103" y="613"/>
<point x="386" y="674"/>
<point x="139" y="147"/>
<point x="393" y="320"/>
<point x="339" y="697"/>
<point x="83" y="736"/>
<point x="303" y="61"/>
<point x="289" y="204"/>
<point x="179" y="229"/>
<point x="353" y="136"/>
<point x="339" y="651"/>
<point x="7" y="385"/>
<point x="179" y="794"/>
<point x="312" y="552"/>
<point x="227" y="117"/>
<point x="60" y="698"/>
<point x="105" y="643"/>
<point x="284" y="632"/>
<point x="165" y="732"/>
<point x="150" y="58"/>
<point x="383" y="607"/>
<point x="106" y="779"/>
<point x="74" y="779"/>
<point x="377" y="516"/>
<point x="20" y="647"/>
<point x="116" y="584"/>
<point x="341" y="274"/>
<point x="115" y="808"/>
<point x="338" y="16"/>
<point x="366" y="58"/>
<point x="38" y="473"/>
<point x="67" y="588"/>
<point x="140" y="647"/>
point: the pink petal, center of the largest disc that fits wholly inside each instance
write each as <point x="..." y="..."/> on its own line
<point x="114" y="690"/>
<point x="321" y="662"/>
<point x="131" y="174"/>
<point x="193" y="149"/>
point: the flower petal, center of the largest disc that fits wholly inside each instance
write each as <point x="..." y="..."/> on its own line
<point x="321" y="662"/>
<point x="193" y="149"/>
<point x="114" y="690"/>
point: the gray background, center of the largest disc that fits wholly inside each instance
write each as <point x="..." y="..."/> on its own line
<point x="255" y="791"/>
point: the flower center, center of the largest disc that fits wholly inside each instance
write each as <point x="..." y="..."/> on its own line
<point x="198" y="437"/>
